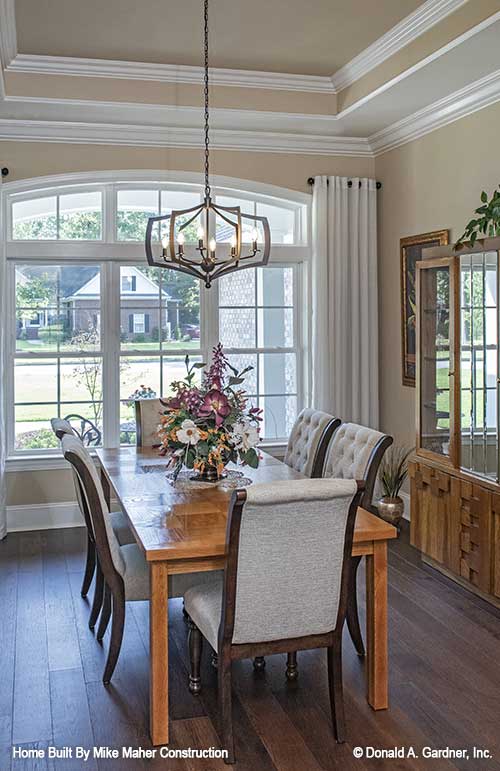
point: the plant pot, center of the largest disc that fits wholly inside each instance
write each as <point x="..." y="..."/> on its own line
<point x="391" y="509"/>
<point x="209" y="474"/>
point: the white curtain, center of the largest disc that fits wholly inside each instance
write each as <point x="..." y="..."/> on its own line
<point x="344" y="299"/>
<point x="3" y="449"/>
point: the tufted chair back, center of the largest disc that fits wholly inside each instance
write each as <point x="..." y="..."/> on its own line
<point x="309" y="440"/>
<point x="355" y="452"/>
<point x="147" y="418"/>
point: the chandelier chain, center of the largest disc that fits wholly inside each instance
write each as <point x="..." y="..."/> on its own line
<point x="207" y="180"/>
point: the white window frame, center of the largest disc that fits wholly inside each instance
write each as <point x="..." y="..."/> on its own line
<point x="110" y="254"/>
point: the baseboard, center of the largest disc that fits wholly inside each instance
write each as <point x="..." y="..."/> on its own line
<point x="43" y="516"/>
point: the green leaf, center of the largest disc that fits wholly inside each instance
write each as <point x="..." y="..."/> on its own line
<point x="199" y="365"/>
<point x="251" y="458"/>
<point x="236" y="380"/>
<point x="484" y="197"/>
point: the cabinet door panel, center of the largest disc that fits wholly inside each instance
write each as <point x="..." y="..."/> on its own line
<point x="495" y="540"/>
<point x="474" y="505"/>
<point x="435" y="360"/>
<point x="435" y="528"/>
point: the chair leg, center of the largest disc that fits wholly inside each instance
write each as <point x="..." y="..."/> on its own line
<point x="105" y="614"/>
<point x="352" y="608"/>
<point x="259" y="663"/>
<point x="336" y="690"/>
<point x="115" y="643"/>
<point x="89" y="567"/>
<point x="98" y="596"/>
<point x="195" y="640"/>
<point x="292" y="670"/>
<point x="225" y="706"/>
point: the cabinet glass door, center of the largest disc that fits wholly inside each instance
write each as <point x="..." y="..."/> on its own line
<point x="479" y="363"/>
<point x="435" y="376"/>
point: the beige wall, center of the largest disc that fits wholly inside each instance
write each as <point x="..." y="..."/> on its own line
<point x="31" y="159"/>
<point x="429" y="184"/>
<point x="39" y="487"/>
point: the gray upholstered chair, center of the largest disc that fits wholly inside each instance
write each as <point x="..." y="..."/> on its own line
<point x="284" y="586"/>
<point x="309" y="440"/>
<point x="62" y="427"/>
<point x="147" y="419"/>
<point x="355" y="452"/>
<point x="124" y="568"/>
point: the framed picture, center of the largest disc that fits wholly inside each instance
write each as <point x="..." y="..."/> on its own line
<point x="411" y="251"/>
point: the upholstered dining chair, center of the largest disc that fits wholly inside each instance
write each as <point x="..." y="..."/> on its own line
<point x="308" y="442"/>
<point x="147" y="419"/>
<point x="284" y="586"/>
<point x="124" y="568"/>
<point x="355" y="452"/>
<point x="62" y="427"/>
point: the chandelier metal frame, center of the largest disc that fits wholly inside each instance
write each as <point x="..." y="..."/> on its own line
<point x="208" y="267"/>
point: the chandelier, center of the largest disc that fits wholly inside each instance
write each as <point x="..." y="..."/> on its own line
<point x="241" y="248"/>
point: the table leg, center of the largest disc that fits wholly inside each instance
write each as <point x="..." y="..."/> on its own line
<point x="158" y="647"/>
<point x="376" y="626"/>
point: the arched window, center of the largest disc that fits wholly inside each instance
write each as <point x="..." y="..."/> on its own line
<point x="91" y="322"/>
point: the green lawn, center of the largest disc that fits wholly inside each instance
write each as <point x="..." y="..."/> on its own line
<point x="33" y="346"/>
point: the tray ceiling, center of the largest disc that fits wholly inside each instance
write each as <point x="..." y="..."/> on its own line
<point x="280" y="36"/>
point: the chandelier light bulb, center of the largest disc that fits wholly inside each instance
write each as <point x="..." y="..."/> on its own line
<point x="205" y="265"/>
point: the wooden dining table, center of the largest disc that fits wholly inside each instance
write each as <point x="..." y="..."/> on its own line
<point x="182" y="529"/>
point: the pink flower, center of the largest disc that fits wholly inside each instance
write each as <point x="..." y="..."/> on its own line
<point x="215" y="403"/>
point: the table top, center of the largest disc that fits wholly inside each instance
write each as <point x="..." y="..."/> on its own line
<point x="189" y="523"/>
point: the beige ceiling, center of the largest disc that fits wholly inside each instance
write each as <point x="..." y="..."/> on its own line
<point x="295" y="36"/>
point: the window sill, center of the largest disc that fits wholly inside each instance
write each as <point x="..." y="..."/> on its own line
<point x="17" y="463"/>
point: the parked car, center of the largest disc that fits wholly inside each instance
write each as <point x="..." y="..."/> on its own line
<point x="193" y="330"/>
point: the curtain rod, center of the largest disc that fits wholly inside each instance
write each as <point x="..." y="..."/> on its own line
<point x="310" y="181"/>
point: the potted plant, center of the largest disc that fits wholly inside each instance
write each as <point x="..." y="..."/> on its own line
<point x="206" y="426"/>
<point x="485" y="223"/>
<point x="392" y="474"/>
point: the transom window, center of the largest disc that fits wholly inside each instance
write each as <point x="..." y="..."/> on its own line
<point x="93" y="323"/>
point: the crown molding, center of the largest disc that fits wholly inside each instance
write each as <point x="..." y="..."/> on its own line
<point x="476" y="96"/>
<point x="167" y="73"/>
<point x="408" y="29"/>
<point x="161" y="136"/>
<point x="8" y="34"/>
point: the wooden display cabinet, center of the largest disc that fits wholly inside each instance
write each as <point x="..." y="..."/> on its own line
<point x="454" y="478"/>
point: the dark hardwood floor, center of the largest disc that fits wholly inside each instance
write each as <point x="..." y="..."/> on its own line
<point x="444" y="663"/>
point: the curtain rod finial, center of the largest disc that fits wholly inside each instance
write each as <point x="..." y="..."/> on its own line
<point x="5" y="171"/>
<point x="310" y="181"/>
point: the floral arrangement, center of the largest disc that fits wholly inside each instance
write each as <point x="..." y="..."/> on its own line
<point x="206" y="426"/>
<point x="143" y="392"/>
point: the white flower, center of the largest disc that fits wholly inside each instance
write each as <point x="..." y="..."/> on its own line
<point x="188" y="432"/>
<point x="244" y="436"/>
